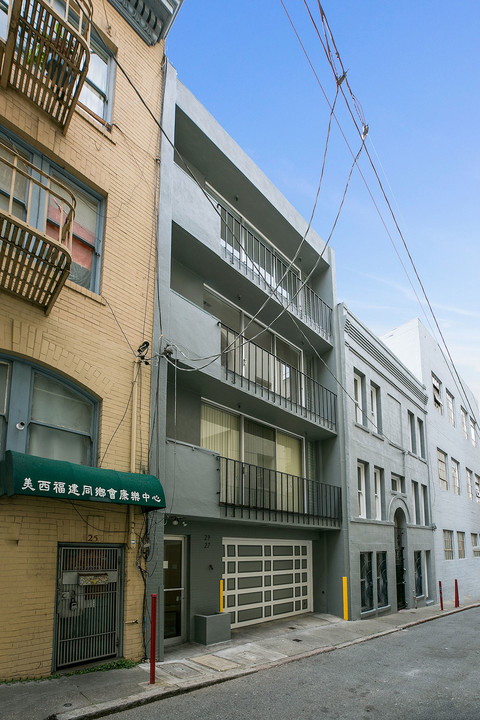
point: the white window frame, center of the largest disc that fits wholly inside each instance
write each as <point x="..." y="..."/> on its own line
<point x="375" y="408"/>
<point x="448" y="546"/>
<point x="361" y="489"/>
<point x="469" y="475"/>
<point x="455" y="476"/>
<point x="450" y="408"/>
<point x="473" y="432"/>
<point x="442" y="469"/>
<point x="358" y="389"/>
<point x="461" y="544"/>
<point x="464" y="415"/>
<point x="437" y="394"/>
<point x="378" y="492"/>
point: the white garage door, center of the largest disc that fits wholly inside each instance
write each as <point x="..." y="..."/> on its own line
<point x="266" y="579"/>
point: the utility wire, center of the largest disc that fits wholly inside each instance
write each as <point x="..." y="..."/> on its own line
<point x="328" y="31"/>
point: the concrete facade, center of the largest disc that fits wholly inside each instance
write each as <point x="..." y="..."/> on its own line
<point x="239" y="337"/>
<point x="86" y="345"/>
<point x="454" y="459"/>
<point x="390" y="535"/>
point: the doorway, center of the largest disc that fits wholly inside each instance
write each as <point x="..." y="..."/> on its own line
<point x="400" y="556"/>
<point x="88" y="604"/>
<point x="174" y="589"/>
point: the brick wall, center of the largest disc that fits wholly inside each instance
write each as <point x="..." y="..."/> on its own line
<point x="87" y="338"/>
<point x="29" y="532"/>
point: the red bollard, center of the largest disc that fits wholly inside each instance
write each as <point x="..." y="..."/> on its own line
<point x="457" y="601"/>
<point x="441" y="594"/>
<point x="153" y="639"/>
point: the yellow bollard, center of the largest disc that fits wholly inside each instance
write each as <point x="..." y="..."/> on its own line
<point x="345" y="599"/>
<point x="221" y="595"/>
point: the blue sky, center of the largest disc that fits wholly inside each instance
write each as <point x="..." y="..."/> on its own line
<point x="414" y="68"/>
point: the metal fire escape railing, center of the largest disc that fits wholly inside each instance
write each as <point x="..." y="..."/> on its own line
<point x="254" y="492"/>
<point x="254" y="257"/>
<point x="270" y="377"/>
<point x="36" y="223"/>
<point x="46" y="55"/>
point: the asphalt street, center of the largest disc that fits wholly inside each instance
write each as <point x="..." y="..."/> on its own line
<point x="428" y="672"/>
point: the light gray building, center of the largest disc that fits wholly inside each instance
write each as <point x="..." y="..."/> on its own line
<point x="388" y="514"/>
<point x="244" y="429"/>
<point x="454" y="456"/>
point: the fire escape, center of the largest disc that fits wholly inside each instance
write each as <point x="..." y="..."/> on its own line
<point x="46" y="54"/>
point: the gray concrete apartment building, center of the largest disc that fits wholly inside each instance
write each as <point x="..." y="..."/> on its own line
<point x="388" y="515"/>
<point x="453" y="448"/>
<point x="244" y="432"/>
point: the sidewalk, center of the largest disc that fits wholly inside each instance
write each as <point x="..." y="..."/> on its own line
<point x="191" y="666"/>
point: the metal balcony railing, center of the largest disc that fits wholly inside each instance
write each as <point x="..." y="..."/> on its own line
<point x="36" y="223"/>
<point x="271" y="378"/>
<point x="252" y="256"/>
<point x="46" y="54"/>
<point x="259" y="493"/>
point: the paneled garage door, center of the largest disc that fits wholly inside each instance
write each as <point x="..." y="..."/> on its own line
<point x="266" y="579"/>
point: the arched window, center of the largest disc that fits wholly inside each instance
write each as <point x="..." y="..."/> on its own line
<point x="42" y="414"/>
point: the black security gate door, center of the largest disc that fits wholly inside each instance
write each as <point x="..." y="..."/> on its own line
<point x="400" y="565"/>
<point x="88" y="604"/>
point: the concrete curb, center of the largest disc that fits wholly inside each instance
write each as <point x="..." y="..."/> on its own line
<point x="149" y="696"/>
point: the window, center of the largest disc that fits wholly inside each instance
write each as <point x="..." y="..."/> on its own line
<point x="398" y="483"/>
<point x="4" y="373"/>
<point x="455" y="477"/>
<point x="442" y="469"/>
<point x="86" y="231"/>
<point x="262" y="445"/>
<point x="416" y="502"/>
<point x="473" y="432"/>
<point x="464" y="422"/>
<point x="362" y="505"/>
<point x="375" y="414"/>
<point x="417" y="560"/>
<point x="450" y="408"/>
<point x="98" y="87"/>
<point x="425" y="514"/>
<point x="379" y="493"/>
<point x="88" y="225"/>
<point x="3" y="19"/>
<point x="469" y="484"/>
<point x="475" y="545"/>
<point x="358" y="392"/>
<point x="421" y="438"/>
<point x="448" y="544"/>
<point x="60" y="420"/>
<point x="477" y="488"/>
<point x="366" y="581"/>
<point x="382" y="582"/>
<point x="461" y="545"/>
<point x="261" y="356"/>
<point x="412" y="429"/>
<point x="437" y="394"/>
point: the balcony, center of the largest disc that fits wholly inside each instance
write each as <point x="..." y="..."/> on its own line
<point x="36" y="223"/>
<point x="273" y="379"/>
<point x="257" y="493"/>
<point x="46" y="54"/>
<point x="255" y="258"/>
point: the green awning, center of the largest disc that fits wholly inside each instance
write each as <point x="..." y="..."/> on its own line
<point x="40" y="477"/>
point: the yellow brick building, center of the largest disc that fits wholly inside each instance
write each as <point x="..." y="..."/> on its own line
<point x="79" y="157"/>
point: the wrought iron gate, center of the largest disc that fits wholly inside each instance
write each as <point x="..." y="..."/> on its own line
<point x="88" y="604"/>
